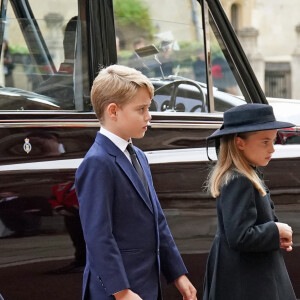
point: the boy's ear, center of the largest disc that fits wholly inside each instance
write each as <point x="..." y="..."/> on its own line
<point x="240" y="143"/>
<point x="112" y="111"/>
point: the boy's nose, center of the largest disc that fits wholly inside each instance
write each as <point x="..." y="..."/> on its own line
<point x="272" y="149"/>
<point x="148" y="116"/>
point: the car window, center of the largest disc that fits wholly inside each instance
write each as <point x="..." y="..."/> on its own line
<point x="169" y="49"/>
<point x="180" y="96"/>
<point x="222" y="75"/>
<point x="38" y="56"/>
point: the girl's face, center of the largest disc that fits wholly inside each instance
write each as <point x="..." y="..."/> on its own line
<point x="258" y="146"/>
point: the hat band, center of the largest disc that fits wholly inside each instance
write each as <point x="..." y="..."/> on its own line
<point x="258" y="120"/>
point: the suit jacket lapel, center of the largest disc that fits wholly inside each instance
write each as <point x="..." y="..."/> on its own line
<point x="126" y="166"/>
<point x="131" y="173"/>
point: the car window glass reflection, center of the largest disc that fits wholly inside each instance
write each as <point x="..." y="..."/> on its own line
<point x="222" y="75"/>
<point x="37" y="65"/>
<point x="166" y="51"/>
<point x="169" y="51"/>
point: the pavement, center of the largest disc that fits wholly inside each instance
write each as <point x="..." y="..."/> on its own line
<point x="32" y="281"/>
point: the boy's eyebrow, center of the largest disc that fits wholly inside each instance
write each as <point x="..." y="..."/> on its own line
<point x="143" y="104"/>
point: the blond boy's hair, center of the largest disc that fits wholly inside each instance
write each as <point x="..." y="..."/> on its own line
<point x="117" y="84"/>
<point x="231" y="159"/>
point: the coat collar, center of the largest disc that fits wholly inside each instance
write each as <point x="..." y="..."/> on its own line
<point x="126" y="166"/>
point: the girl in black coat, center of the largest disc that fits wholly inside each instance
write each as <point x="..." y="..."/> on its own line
<point x="245" y="261"/>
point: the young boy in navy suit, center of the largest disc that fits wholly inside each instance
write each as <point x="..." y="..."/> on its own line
<point x="128" y="240"/>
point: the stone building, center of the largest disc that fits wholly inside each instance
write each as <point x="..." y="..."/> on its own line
<point x="270" y="34"/>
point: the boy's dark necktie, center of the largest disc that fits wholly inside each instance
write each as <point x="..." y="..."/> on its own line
<point x="137" y="166"/>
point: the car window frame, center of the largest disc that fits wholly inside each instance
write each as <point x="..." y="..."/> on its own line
<point x="234" y="53"/>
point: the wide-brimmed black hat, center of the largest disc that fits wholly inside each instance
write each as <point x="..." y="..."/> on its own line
<point x="249" y="117"/>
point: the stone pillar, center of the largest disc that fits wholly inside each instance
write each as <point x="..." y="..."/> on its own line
<point x="295" y="67"/>
<point x="54" y="37"/>
<point x="248" y="38"/>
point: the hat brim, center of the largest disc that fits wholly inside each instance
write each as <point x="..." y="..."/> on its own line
<point x="248" y="128"/>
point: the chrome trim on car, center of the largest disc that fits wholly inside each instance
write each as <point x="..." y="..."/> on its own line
<point x="207" y="47"/>
<point x="64" y="164"/>
<point x="199" y="115"/>
<point x="178" y="124"/>
<point x="47" y="123"/>
<point x="154" y="157"/>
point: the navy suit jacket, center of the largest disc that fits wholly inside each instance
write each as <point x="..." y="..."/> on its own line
<point x="127" y="237"/>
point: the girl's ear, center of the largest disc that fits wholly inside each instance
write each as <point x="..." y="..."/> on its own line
<point x="112" y="111"/>
<point x="240" y="143"/>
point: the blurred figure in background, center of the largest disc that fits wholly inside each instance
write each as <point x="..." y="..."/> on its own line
<point x="166" y="59"/>
<point x="8" y="65"/>
<point x="222" y="75"/>
<point x="135" y="61"/>
<point x="61" y="85"/>
<point x="64" y="201"/>
<point x="199" y="67"/>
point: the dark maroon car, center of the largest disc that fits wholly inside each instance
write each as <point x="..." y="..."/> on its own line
<point x="198" y="69"/>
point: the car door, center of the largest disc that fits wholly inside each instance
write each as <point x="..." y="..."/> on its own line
<point x="46" y="129"/>
<point x="47" y="124"/>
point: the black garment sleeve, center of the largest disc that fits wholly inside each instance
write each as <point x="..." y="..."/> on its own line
<point x="239" y="213"/>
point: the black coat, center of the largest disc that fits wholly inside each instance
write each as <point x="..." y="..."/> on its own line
<point x="245" y="261"/>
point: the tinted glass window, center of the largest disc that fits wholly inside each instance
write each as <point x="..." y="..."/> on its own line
<point x="180" y="96"/>
<point x="175" y="49"/>
<point x="38" y="56"/>
<point x="169" y="49"/>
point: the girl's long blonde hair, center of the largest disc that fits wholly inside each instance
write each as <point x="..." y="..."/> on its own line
<point x="231" y="159"/>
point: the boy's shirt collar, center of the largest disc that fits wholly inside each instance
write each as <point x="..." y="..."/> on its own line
<point x="118" y="141"/>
